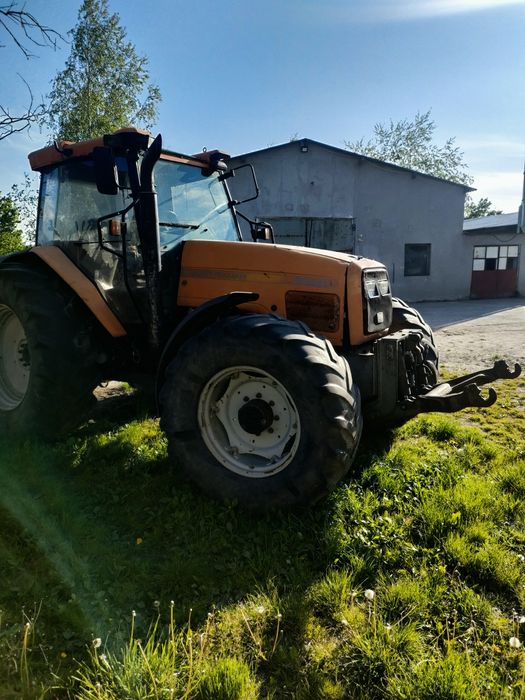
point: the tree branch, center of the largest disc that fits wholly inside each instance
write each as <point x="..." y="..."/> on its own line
<point x="12" y="123"/>
<point x="25" y="29"/>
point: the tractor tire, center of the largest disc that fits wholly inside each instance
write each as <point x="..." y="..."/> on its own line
<point x="46" y="383"/>
<point x="260" y="411"/>
<point x="405" y="317"/>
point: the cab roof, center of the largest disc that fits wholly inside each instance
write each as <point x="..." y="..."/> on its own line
<point x="62" y="151"/>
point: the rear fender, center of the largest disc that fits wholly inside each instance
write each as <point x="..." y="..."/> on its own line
<point x="52" y="260"/>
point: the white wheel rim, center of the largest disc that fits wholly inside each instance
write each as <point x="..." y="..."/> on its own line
<point x="249" y="422"/>
<point x="15" y="366"/>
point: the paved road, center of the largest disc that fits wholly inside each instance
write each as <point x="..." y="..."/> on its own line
<point x="472" y="334"/>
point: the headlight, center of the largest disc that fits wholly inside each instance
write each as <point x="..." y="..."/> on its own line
<point x="376" y="283"/>
<point x="377" y="308"/>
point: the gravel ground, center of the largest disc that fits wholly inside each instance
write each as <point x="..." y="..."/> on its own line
<point x="472" y="334"/>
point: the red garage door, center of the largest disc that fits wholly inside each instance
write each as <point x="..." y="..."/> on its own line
<point x="494" y="271"/>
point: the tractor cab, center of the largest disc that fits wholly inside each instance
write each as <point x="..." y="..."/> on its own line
<point x="96" y="226"/>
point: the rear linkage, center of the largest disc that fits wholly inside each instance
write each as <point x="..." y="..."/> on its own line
<point x="462" y="392"/>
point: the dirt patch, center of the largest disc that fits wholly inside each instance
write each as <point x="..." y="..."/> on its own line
<point x="110" y="390"/>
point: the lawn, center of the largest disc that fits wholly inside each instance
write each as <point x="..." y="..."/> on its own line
<point x="120" y="580"/>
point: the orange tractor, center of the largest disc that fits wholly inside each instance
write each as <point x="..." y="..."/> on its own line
<point x="266" y="357"/>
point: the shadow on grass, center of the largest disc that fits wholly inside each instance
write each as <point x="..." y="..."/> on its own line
<point x="100" y="524"/>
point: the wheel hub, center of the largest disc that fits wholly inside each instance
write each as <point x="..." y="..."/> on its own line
<point x="15" y="362"/>
<point x="249" y="422"/>
<point x="256" y="416"/>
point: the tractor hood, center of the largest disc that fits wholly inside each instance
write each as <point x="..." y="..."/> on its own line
<point x="320" y="287"/>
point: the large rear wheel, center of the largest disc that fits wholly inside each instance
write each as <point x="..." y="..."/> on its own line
<point x="46" y="380"/>
<point x="258" y="409"/>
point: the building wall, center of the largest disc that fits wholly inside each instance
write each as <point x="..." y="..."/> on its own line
<point x="320" y="183"/>
<point x="390" y="208"/>
<point x="395" y="208"/>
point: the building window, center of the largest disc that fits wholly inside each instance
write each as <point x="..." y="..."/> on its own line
<point x="494" y="257"/>
<point x="417" y="259"/>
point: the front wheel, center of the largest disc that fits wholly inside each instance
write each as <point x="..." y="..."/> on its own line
<point x="426" y="364"/>
<point x="259" y="410"/>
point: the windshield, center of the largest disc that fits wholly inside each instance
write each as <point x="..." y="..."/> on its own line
<point x="191" y="205"/>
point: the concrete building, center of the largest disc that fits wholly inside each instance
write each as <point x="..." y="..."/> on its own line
<point x="318" y="195"/>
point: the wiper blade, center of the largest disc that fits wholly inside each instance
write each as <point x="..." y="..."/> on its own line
<point x="171" y="225"/>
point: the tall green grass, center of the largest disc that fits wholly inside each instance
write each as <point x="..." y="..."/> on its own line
<point x="408" y="582"/>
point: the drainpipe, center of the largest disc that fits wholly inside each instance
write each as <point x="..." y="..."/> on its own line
<point x="521" y="214"/>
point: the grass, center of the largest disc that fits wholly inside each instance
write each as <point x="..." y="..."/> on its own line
<point x="408" y="582"/>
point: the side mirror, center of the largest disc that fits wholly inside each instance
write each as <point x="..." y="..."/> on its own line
<point x="106" y="174"/>
<point x="262" y="232"/>
<point x="254" y="186"/>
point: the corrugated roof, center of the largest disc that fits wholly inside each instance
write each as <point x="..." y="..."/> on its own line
<point x="494" y="221"/>
<point x="344" y="151"/>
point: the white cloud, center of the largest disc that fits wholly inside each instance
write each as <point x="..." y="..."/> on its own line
<point x="504" y="189"/>
<point x="496" y="163"/>
<point x="492" y="153"/>
<point x="495" y="143"/>
<point x="399" y="10"/>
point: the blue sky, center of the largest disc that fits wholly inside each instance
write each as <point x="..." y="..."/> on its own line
<point x="244" y="74"/>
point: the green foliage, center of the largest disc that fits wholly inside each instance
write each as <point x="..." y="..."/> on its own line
<point x="25" y="195"/>
<point x="411" y="145"/>
<point x="483" y="207"/>
<point x="10" y="233"/>
<point x="449" y="678"/>
<point x="406" y="583"/>
<point x="179" y="664"/>
<point x="226" y="679"/>
<point x="104" y="85"/>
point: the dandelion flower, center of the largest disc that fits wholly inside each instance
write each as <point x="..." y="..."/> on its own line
<point x="514" y="642"/>
<point x="521" y="619"/>
<point x="259" y="609"/>
<point x="156" y="604"/>
<point x="369" y="594"/>
<point x="97" y="643"/>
